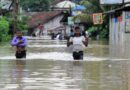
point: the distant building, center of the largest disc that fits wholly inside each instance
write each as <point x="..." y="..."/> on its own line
<point x="55" y="20"/>
<point x="50" y="21"/>
<point x="5" y="6"/>
<point x="63" y="5"/>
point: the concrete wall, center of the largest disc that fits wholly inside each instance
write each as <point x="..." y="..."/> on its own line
<point x="52" y="24"/>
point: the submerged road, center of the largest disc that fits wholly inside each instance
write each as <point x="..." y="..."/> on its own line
<point x="49" y="66"/>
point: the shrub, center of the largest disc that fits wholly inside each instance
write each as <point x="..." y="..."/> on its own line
<point x="22" y="24"/>
<point x="92" y="31"/>
<point x="96" y="30"/>
<point x="4" y="29"/>
<point x="104" y="33"/>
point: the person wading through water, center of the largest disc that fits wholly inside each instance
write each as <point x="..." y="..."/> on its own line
<point x="20" y="42"/>
<point x="78" y="42"/>
<point x="40" y="27"/>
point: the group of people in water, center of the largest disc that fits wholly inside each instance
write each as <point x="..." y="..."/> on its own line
<point x="77" y="39"/>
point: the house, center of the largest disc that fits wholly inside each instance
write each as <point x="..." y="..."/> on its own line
<point x="5" y="6"/>
<point x="54" y="21"/>
<point x="63" y="5"/>
<point x="68" y="20"/>
<point x="120" y="32"/>
<point x="50" y="20"/>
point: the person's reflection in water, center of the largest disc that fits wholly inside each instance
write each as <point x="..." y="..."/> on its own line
<point x="20" y="73"/>
<point x="77" y="63"/>
<point x="78" y="73"/>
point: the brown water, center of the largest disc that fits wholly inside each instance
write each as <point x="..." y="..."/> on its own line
<point x="49" y="66"/>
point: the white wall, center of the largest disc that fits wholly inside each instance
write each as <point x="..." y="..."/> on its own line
<point x="52" y="24"/>
<point x="5" y="4"/>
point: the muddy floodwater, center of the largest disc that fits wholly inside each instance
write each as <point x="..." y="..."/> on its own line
<point x="50" y="66"/>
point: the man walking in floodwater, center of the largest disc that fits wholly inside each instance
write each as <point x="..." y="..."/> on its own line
<point x="20" y="42"/>
<point x="78" y="42"/>
<point x="40" y="27"/>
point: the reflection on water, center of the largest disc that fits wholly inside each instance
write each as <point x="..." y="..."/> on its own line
<point x="49" y="50"/>
<point x="49" y="66"/>
<point x="64" y="75"/>
<point x="18" y="74"/>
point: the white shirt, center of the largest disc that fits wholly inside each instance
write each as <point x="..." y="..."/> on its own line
<point x="77" y="43"/>
<point x="87" y="34"/>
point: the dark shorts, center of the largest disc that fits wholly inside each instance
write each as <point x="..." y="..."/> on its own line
<point x="21" y="54"/>
<point x="78" y="55"/>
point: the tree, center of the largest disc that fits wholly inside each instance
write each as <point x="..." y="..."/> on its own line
<point x="93" y="6"/>
<point x="4" y="29"/>
<point x="35" y="5"/>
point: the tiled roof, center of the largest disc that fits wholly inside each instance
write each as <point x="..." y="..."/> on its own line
<point x="42" y="17"/>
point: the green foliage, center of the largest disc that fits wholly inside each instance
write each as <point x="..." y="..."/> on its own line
<point x="93" y="6"/>
<point x="4" y="29"/>
<point x="104" y="33"/>
<point x="98" y="30"/>
<point x="35" y="5"/>
<point x="83" y="18"/>
<point x="92" y="31"/>
<point x="22" y="24"/>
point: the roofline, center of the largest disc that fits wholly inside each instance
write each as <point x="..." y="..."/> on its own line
<point x="127" y="2"/>
<point x="52" y="18"/>
<point x="123" y="8"/>
<point x="60" y="13"/>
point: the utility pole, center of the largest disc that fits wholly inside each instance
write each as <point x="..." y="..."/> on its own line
<point x="15" y="14"/>
<point x="123" y="2"/>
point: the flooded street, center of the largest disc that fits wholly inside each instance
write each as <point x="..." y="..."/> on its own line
<point x="49" y="66"/>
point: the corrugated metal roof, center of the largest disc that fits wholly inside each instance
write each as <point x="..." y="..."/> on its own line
<point x="6" y="4"/>
<point x="123" y="8"/>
